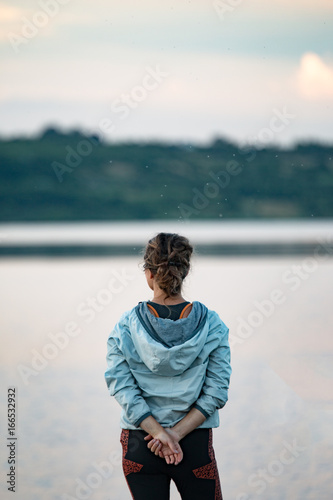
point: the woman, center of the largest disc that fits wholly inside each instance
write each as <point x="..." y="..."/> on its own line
<point x="169" y="368"/>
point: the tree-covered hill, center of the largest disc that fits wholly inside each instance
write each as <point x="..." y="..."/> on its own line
<point x="63" y="177"/>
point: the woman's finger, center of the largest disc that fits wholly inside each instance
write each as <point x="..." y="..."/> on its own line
<point x="148" y="437"/>
<point x="155" y="444"/>
<point x="174" y="446"/>
<point x="150" y="444"/>
<point x="178" y="457"/>
<point x="158" y="449"/>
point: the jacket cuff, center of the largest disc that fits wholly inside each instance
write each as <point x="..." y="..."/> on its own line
<point x="138" y="422"/>
<point x="205" y="414"/>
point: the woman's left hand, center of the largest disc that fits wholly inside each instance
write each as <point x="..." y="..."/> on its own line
<point x="166" y="445"/>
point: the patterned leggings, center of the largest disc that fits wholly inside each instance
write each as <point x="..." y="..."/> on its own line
<point x="148" y="476"/>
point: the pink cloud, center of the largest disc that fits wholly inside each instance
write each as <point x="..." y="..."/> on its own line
<point x="315" y="77"/>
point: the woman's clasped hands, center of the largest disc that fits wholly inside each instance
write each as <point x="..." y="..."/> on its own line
<point x="166" y="445"/>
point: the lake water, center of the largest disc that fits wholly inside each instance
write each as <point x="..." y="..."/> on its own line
<point x="275" y="441"/>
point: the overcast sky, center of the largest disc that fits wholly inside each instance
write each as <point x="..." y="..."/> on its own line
<point x="250" y="70"/>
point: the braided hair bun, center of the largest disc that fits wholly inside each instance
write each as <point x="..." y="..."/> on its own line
<point x="167" y="256"/>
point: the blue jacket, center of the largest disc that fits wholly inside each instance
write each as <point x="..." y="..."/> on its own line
<point x="161" y="367"/>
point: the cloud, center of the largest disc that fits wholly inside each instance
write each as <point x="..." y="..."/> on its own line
<point x="8" y="16"/>
<point x="315" y="77"/>
<point x="24" y="23"/>
<point x="9" y="13"/>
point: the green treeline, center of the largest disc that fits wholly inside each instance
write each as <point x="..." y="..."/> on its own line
<point x="63" y="177"/>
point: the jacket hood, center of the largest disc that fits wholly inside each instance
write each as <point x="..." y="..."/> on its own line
<point x="166" y="346"/>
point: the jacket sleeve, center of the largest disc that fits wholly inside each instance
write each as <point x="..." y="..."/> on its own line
<point x="214" y="393"/>
<point x="121" y="383"/>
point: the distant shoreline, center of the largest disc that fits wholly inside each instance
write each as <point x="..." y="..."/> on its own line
<point x="78" y="177"/>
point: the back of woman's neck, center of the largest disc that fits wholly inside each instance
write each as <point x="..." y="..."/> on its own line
<point x="168" y="301"/>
